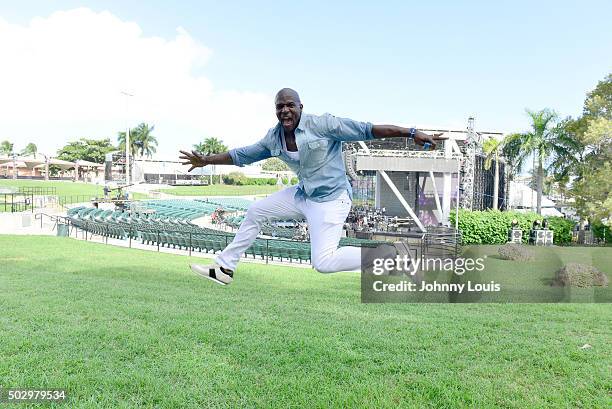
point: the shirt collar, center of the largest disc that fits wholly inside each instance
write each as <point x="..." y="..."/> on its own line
<point x="301" y="125"/>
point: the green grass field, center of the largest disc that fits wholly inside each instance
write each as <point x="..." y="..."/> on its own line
<point x="70" y="190"/>
<point x="221" y="190"/>
<point x="63" y="188"/>
<point x="129" y="328"/>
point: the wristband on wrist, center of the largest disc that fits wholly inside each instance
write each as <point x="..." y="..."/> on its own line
<point x="411" y="132"/>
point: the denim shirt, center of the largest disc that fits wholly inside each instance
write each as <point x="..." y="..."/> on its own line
<point x="320" y="171"/>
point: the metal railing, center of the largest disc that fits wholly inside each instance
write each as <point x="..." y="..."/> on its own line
<point x="440" y="242"/>
<point x="436" y="154"/>
<point x="38" y="190"/>
<point x="266" y="249"/>
<point x="71" y="199"/>
<point x="53" y="218"/>
<point x="16" y="202"/>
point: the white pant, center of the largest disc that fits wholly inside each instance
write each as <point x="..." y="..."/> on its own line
<point x="325" y="222"/>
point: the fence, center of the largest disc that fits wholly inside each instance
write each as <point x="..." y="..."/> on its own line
<point x="38" y="190"/>
<point x="16" y="202"/>
<point x="440" y="242"/>
<point x="29" y="198"/>
<point x="54" y="218"/>
<point x="70" y="199"/>
<point x="266" y="249"/>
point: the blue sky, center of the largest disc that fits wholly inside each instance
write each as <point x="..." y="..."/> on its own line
<point x="426" y="63"/>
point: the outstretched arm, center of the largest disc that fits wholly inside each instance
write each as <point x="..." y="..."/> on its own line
<point x="347" y="130"/>
<point x="392" y="131"/>
<point x="238" y="156"/>
<point x="197" y="160"/>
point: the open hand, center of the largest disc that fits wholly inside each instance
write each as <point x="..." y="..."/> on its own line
<point x="195" y="159"/>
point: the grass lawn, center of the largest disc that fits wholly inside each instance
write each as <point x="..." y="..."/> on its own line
<point x="221" y="190"/>
<point x="65" y="188"/>
<point x="129" y="328"/>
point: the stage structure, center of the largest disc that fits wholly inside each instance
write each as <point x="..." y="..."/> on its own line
<point x="115" y="169"/>
<point x="425" y="185"/>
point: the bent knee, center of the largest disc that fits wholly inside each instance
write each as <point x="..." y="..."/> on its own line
<point x="324" y="265"/>
<point x="254" y="212"/>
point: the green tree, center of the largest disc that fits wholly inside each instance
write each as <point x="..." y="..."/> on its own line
<point x="593" y="194"/>
<point x="211" y="146"/>
<point x="6" y="148"/>
<point x="592" y="188"/>
<point x="92" y="150"/>
<point x="492" y="148"/>
<point x="511" y="151"/>
<point x="546" y="143"/>
<point x="142" y="141"/>
<point x="598" y="103"/>
<point x="591" y="179"/>
<point x="548" y="181"/>
<point x="30" y="149"/>
<point x="274" y="165"/>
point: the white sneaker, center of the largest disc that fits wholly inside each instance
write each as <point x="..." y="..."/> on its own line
<point x="213" y="272"/>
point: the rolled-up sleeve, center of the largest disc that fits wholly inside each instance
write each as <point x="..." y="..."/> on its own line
<point x="249" y="154"/>
<point x="343" y="129"/>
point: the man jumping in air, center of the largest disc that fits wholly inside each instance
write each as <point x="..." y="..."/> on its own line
<point x="312" y="147"/>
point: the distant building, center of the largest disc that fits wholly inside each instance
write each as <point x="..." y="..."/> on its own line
<point x="524" y="198"/>
<point x="173" y="172"/>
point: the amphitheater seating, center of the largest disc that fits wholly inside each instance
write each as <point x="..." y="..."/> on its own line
<point x="164" y="230"/>
<point x="228" y="203"/>
<point x="180" y="209"/>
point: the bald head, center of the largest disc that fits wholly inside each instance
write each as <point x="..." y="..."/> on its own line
<point x="288" y="109"/>
<point x="290" y="93"/>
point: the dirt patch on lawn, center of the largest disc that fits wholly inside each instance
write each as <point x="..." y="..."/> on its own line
<point x="580" y="275"/>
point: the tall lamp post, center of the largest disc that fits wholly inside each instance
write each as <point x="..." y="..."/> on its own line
<point x="14" y="165"/>
<point x="127" y="138"/>
<point x="46" y="166"/>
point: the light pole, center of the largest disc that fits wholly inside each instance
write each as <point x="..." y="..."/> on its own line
<point x="14" y="165"/>
<point x="127" y="138"/>
<point x="46" y="166"/>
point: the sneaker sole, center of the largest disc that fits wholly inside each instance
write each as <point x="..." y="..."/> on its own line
<point x="214" y="280"/>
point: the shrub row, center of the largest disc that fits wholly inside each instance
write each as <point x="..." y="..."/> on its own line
<point x="238" y="178"/>
<point x="491" y="226"/>
<point x="601" y="231"/>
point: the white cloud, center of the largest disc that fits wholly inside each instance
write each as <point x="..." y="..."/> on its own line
<point x="61" y="78"/>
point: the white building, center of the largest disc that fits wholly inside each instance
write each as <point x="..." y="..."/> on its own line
<point x="524" y="198"/>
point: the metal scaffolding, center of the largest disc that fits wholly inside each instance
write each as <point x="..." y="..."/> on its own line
<point x="424" y="184"/>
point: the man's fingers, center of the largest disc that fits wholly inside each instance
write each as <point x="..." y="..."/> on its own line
<point x="186" y="163"/>
<point x="191" y="168"/>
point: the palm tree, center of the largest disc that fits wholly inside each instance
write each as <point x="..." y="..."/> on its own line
<point x="145" y="141"/>
<point x="210" y="146"/>
<point x="142" y="142"/>
<point x="546" y="142"/>
<point x="6" y="148"/>
<point x="121" y="140"/>
<point x="30" y="149"/>
<point x="511" y="151"/>
<point x="492" y="147"/>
